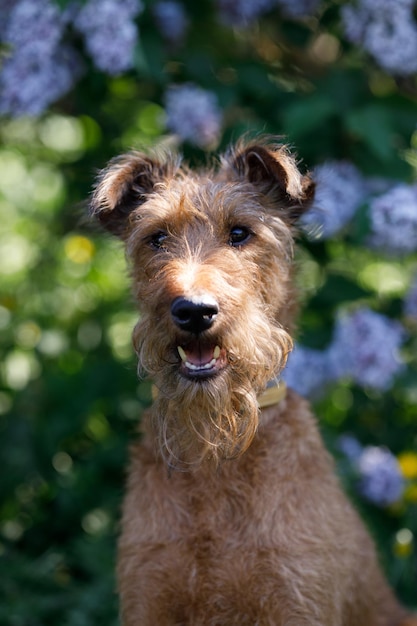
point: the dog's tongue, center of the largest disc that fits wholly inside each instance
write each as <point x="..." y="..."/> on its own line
<point x="198" y="354"/>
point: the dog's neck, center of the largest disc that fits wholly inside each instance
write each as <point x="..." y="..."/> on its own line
<point x="275" y="391"/>
<point x="273" y="394"/>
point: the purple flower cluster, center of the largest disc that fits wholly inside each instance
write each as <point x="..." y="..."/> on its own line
<point x="5" y="9"/>
<point x="410" y="302"/>
<point x="307" y="371"/>
<point x="340" y="189"/>
<point x="298" y="8"/>
<point x="171" y="19"/>
<point x="380" y="478"/>
<point x="349" y="446"/>
<point x="39" y="68"/>
<point x="393" y="219"/>
<point x="388" y="33"/>
<point x="110" y="32"/>
<point x="193" y="114"/>
<point x="242" y="12"/>
<point x="366" y="348"/>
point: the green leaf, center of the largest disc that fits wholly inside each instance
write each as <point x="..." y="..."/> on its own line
<point x="373" y="125"/>
<point x="306" y="114"/>
<point x="336" y="290"/>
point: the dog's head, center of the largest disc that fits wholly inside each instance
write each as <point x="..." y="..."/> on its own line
<point x="210" y="254"/>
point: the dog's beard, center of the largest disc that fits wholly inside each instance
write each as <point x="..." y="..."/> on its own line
<point x="215" y="418"/>
<point x="209" y="420"/>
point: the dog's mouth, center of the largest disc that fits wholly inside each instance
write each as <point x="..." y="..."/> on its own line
<point x="201" y="360"/>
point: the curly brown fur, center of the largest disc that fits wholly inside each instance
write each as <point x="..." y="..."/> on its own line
<point x="255" y="529"/>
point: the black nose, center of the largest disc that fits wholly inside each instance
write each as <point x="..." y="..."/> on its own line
<point x="194" y="316"/>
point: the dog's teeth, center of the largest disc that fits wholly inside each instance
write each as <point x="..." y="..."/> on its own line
<point x="206" y="366"/>
<point x="193" y="366"/>
<point x="182" y="354"/>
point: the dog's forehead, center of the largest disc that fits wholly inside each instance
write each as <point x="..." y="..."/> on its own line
<point x="207" y="198"/>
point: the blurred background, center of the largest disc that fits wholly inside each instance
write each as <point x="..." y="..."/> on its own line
<point x="83" y="81"/>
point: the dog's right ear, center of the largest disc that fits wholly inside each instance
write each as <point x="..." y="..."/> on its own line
<point x="124" y="185"/>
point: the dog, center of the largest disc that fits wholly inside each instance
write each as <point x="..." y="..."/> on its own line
<point x="233" y="513"/>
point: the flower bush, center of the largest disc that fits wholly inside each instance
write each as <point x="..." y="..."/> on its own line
<point x="81" y="82"/>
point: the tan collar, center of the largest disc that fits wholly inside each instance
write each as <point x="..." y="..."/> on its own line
<point x="273" y="394"/>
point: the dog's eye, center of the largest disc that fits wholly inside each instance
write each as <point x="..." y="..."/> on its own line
<point x="156" y="241"/>
<point x="239" y="235"/>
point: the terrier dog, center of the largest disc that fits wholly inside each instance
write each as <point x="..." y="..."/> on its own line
<point x="233" y="513"/>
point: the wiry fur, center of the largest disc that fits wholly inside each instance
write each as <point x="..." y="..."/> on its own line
<point x="254" y="530"/>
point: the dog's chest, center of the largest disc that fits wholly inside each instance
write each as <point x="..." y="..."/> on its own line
<point x="245" y="538"/>
<point x="215" y="534"/>
<point x="225" y="537"/>
<point x="239" y="511"/>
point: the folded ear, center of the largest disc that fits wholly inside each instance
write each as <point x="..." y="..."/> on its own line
<point x="124" y="185"/>
<point x="274" y="172"/>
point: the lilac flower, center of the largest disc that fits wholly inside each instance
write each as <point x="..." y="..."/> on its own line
<point x="6" y="7"/>
<point x="298" y="8"/>
<point x="389" y="36"/>
<point x="29" y="86"/>
<point x="339" y="192"/>
<point x="193" y="114"/>
<point x="381" y="481"/>
<point x="350" y="447"/>
<point x="394" y="220"/>
<point x="393" y="42"/>
<point x="356" y="18"/>
<point x="410" y="303"/>
<point x="307" y="371"/>
<point x="34" y="28"/>
<point x="242" y="12"/>
<point x="110" y="32"/>
<point x="365" y="347"/>
<point x="39" y="69"/>
<point x="171" y="20"/>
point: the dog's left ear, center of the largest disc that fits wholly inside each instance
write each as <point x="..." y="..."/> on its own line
<point x="274" y="172"/>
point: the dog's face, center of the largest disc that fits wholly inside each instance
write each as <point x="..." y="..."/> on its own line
<point x="210" y="257"/>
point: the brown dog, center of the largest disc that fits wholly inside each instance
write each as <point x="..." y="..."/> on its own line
<point x="233" y="514"/>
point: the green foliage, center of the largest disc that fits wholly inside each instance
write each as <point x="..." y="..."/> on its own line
<point x="70" y="400"/>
